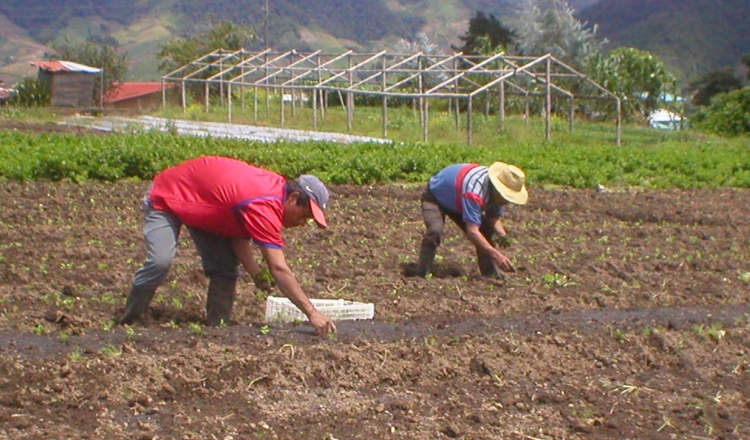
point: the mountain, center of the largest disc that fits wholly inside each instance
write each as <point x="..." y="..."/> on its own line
<point x="692" y="36"/>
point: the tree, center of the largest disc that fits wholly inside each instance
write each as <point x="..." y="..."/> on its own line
<point x="481" y="28"/>
<point x="548" y="26"/>
<point x="97" y="52"/>
<point x="424" y="45"/>
<point x="713" y="83"/>
<point x="746" y="61"/>
<point x="639" y="78"/>
<point x="224" y="35"/>
<point x="727" y="115"/>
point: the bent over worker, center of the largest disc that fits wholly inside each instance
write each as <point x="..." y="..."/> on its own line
<point x="474" y="197"/>
<point x="225" y="204"/>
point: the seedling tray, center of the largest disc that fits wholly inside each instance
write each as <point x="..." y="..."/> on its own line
<point x="283" y="310"/>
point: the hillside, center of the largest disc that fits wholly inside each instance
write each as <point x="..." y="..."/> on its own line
<point x="691" y="36"/>
<point x="704" y="29"/>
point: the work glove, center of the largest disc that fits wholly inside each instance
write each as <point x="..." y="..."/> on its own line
<point x="503" y="241"/>
<point x="263" y="280"/>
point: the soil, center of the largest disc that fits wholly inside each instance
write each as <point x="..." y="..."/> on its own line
<point x="627" y="319"/>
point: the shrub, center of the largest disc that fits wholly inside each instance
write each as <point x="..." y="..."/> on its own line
<point x="728" y="114"/>
<point x="31" y="93"/>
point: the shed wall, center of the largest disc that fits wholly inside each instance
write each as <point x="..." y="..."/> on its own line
<point x="70" y="89"/>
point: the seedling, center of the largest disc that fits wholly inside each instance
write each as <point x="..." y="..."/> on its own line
<point x="75" y="355"/>
<point x="264" y="330"/>
<point x="111" y="350"/>
<point x="196" y="328"/>
<point x="557" y="280"/>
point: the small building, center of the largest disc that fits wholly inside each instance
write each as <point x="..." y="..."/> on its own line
<point x="138" y="96"/>
<point x="4" y="93"/>
<point x="667" y="120"/>
<point x="71" y="84"/>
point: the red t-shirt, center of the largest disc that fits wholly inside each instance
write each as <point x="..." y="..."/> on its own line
<point x="224" y="196"/>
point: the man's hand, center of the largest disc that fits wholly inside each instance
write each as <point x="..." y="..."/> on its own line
<point x="503" y="262"/>
<point x="323" y="324"/>
<point x="263" y="280"/>
<point x="503" y="241"/>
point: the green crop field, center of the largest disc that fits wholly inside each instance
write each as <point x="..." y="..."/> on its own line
<point x="586" y="157"/>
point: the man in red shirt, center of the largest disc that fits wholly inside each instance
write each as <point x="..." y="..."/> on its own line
<point x="226" y="203"/>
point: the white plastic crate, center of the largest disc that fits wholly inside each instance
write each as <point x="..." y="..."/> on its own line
<point x="283" y="310"/>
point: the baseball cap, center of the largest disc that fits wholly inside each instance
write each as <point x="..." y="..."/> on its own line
<point x="318" y="193"/>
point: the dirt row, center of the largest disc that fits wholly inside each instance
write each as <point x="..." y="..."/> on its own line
<point x="628" y="319"/>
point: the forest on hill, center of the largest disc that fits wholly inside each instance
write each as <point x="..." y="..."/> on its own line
<point x="692" y="36"/>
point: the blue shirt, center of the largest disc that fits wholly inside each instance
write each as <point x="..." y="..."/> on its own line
<point x="465" y="188"/>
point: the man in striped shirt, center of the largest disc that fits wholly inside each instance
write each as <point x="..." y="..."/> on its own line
<point x="474" y="197"/>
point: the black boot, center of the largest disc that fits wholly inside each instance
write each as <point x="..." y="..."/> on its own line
<point x="138" y="301"/>
<point x="221" y="292"/>
<point x="426" y="257"/>
<point x="487" y="266"/>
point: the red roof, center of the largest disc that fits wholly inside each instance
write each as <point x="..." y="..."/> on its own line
<point x="129" y="90"/>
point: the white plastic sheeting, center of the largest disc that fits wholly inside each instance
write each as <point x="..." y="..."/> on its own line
<point x="213" y="129"/>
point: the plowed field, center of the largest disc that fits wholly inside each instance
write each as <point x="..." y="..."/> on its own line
<point x="627" y="319"/>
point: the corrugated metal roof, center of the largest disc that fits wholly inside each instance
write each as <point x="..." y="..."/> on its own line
<point x="129" y="90"/>
<point x="64" y="66"/>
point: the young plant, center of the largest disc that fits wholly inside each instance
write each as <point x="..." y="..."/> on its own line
<point x="196" y="328"/>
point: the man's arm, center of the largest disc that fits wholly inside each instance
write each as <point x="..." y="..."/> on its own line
<point x="497" y="225"/>
<point x="243" y="249"/>
<point x="287" y="283"/>
<point x="484" y="246"/>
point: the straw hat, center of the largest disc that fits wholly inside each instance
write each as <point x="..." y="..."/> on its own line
<point x="509" y="182"/>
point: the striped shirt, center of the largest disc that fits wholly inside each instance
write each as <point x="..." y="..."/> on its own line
<point x="466" y="189"/>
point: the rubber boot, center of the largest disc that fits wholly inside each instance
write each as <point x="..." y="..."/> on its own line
<point x="426" y="257"/>
<point x="221" y="291"/>
<point x="487" y="266"/>
<point x="138" y="301"/>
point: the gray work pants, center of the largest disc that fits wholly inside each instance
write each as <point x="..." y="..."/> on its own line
<point x="161" y="232"/>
